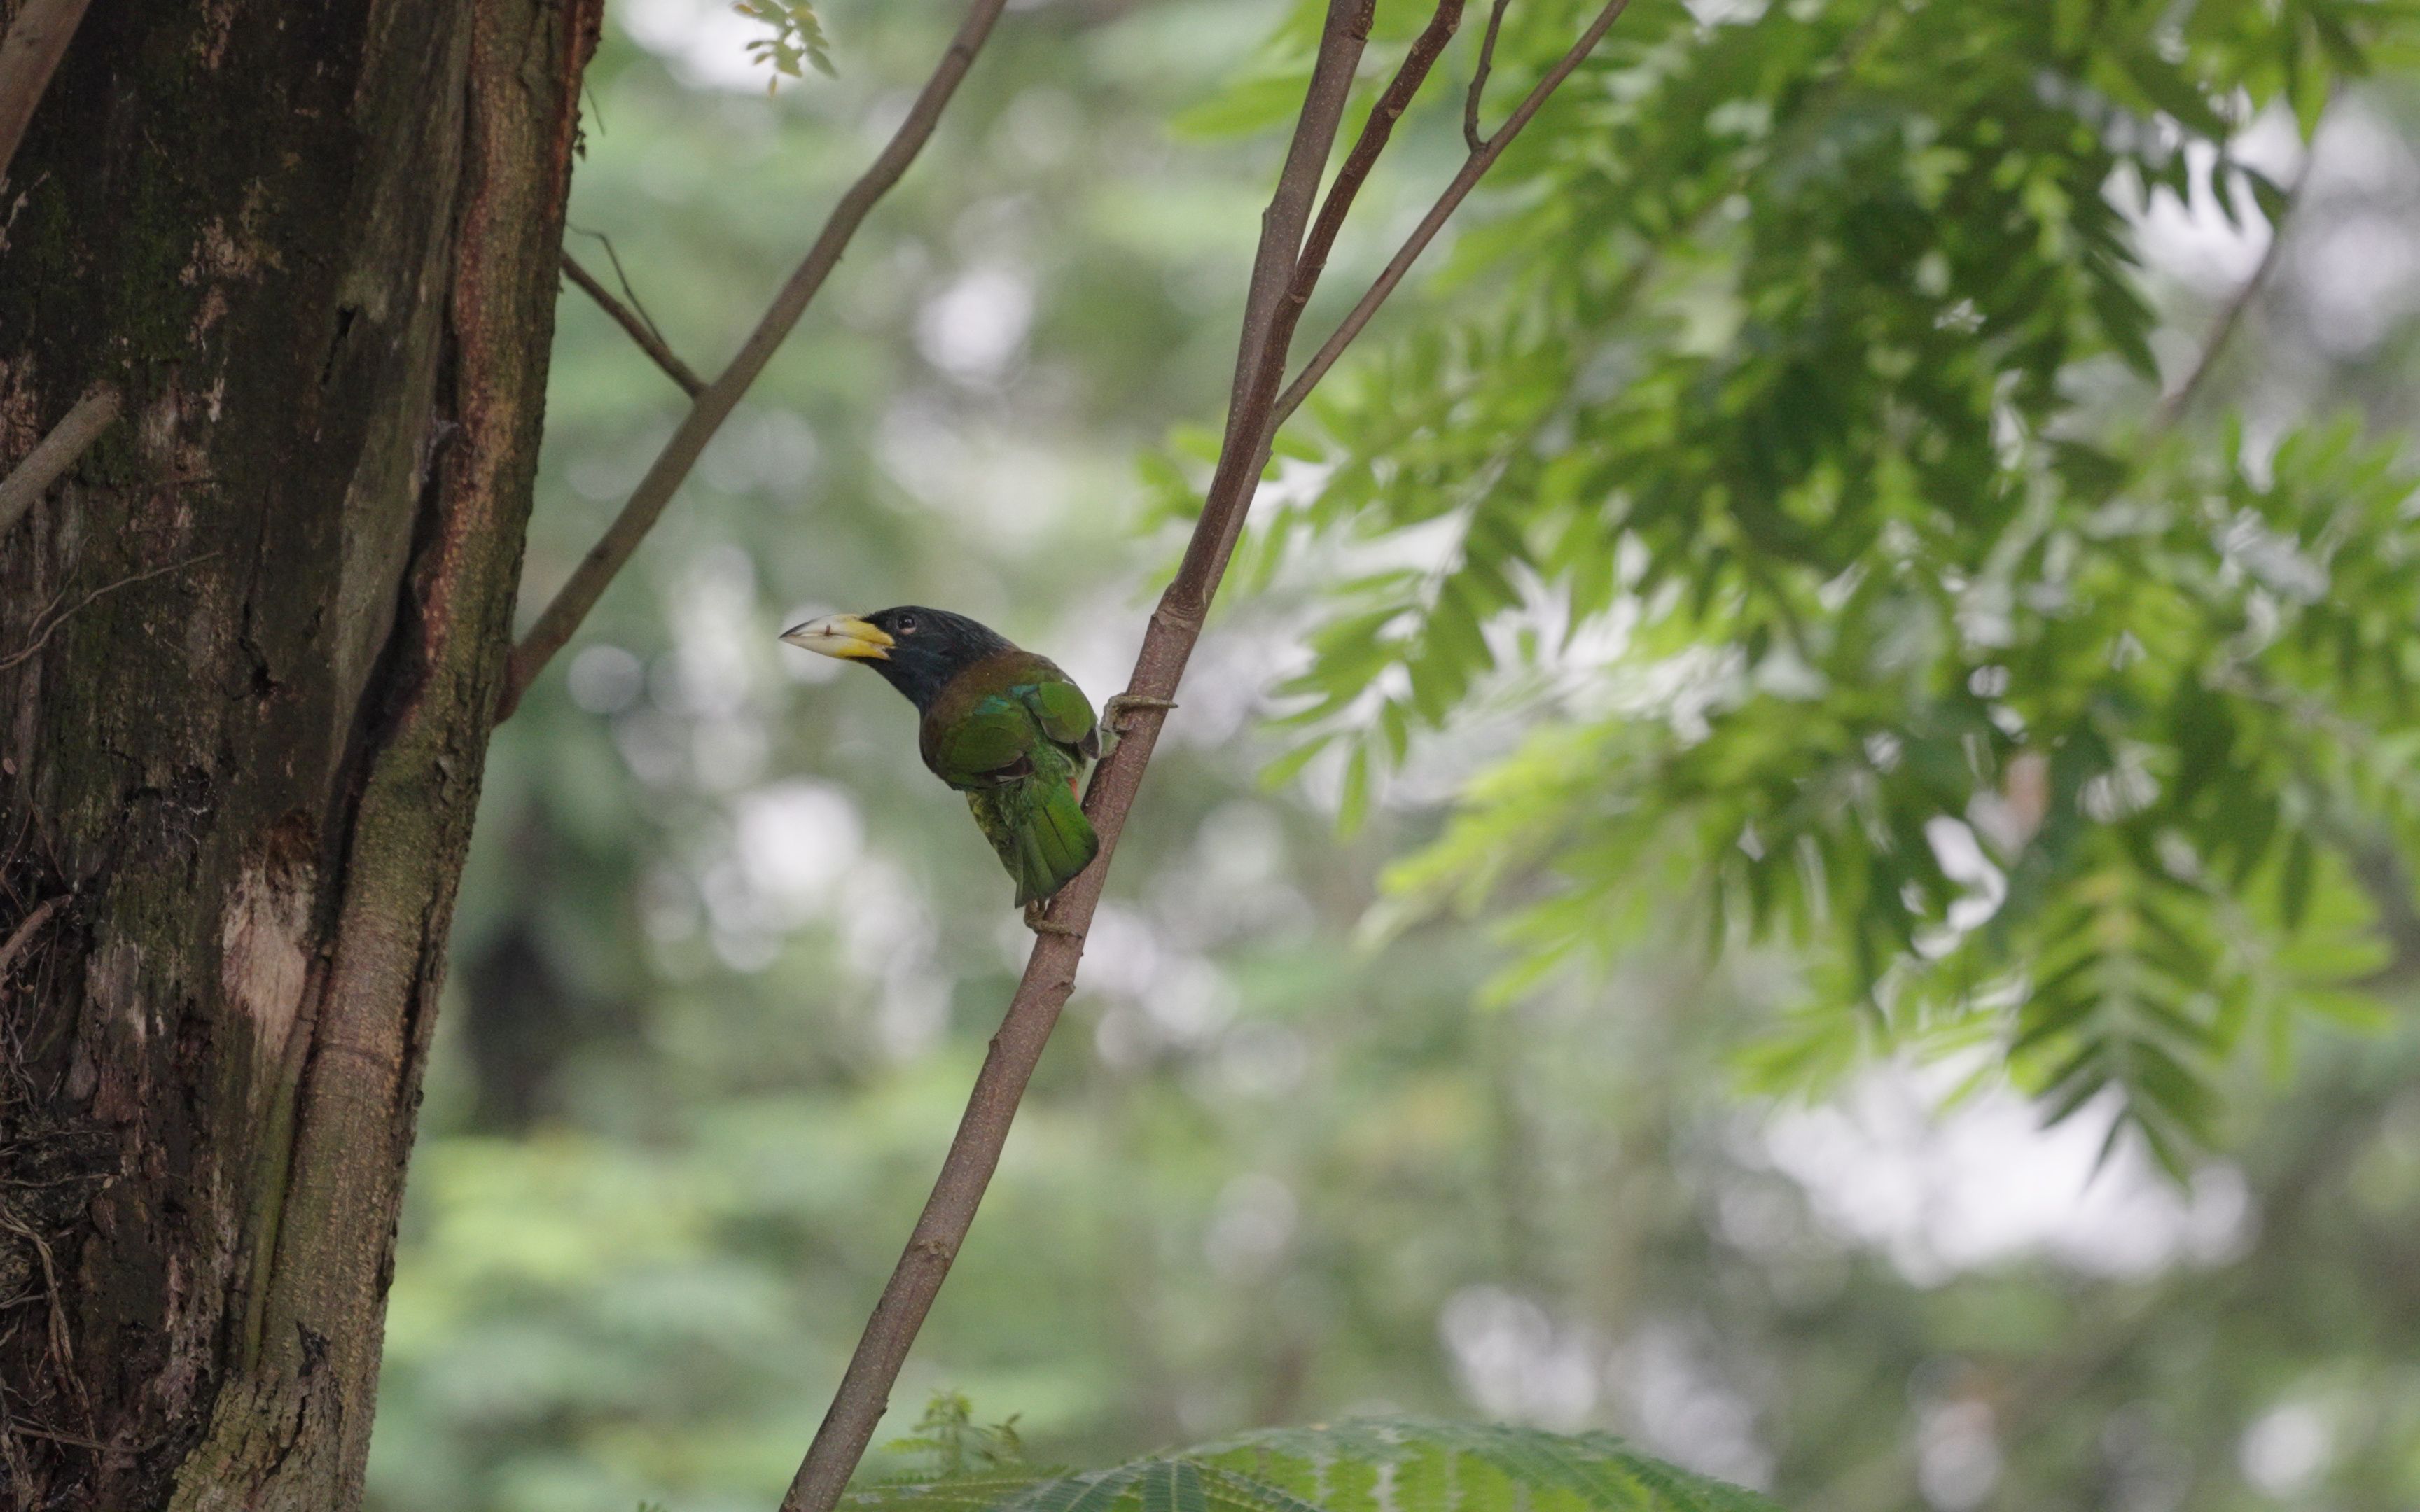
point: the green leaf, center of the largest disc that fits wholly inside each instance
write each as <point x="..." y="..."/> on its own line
<point x="1353" y="805"/>
<point x="1378" y="1465"/>
<point x="2294" y="882"/>
<point x="797" y="38"/>
<point x="1254" y="105"/>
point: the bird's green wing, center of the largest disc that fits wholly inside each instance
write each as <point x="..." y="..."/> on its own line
<point x="994" y="735"/>
<point x="1038" y="828"/>
<point x="1064" y="714"/>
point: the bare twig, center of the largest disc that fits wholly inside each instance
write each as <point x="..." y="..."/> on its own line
<point x="1479" y="78"/>
<point x="1281" y="273"/>
<point x="642" y="330"/>
<point x="1473" y="168"/>
<point x="50" y="625"/>
<point x="15" y="944"/>
<point x="714" y="405"/>
<point x="2178" y="402"/>
<point x="622" y="276"/>
<point x="18" y="1425"/>
<point x="61" y="1354"/>
<point x="37" y="40"/>
<point x="57" y="453"/>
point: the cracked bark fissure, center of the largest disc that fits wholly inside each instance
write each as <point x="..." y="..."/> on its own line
<point x="239" y="792"/>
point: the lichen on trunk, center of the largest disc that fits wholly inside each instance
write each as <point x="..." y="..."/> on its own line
<point x="315" y="248"/>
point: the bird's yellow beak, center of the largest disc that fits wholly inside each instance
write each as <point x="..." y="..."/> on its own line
<point x="844" y="636"/>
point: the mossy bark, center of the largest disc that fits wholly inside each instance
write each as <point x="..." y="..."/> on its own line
<point x="249" y="654"/>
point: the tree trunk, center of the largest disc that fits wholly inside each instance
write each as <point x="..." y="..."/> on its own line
<point x="249" y="654"/>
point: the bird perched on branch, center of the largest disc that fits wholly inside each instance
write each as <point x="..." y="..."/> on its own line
<point x="1004" y="726"/>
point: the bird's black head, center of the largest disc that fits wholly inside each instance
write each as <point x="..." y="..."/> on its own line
<point x="917" y="650"/>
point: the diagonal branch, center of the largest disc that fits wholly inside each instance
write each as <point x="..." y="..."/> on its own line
<point x="1472" y="170"/>
<point x="650" y="341"/>
<point x="1282" y="268"/>
<point x="29" y="54"/>
<point x="561" y="618"/>
<point x="55" y="452"/>
<point x="24" y="931"/>
<point x="2178" y="402"/>
<point x="54" y="616"/>
<point x="1050" y="972"/>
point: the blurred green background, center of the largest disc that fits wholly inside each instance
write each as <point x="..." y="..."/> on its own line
<point x="727" y="956"/>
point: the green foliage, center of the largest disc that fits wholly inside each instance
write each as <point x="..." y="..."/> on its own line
<point x="1414" y="1465"/>
<point x="949" y="1436"/>
<point x="797" y="41"/>
<point x="678" y="1119"/>
<point x="1786" y="469"/>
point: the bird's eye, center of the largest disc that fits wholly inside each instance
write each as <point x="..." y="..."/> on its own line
<point x="907" y="625"/>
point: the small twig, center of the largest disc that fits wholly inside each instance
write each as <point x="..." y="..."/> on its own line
<point x="18" y="1425"/>
<point x="641" y="329"/>
<point x="37" y="40"/>
<point x="55" y="452"/>
<point x="24" y="932"/>
<point x="49" y="627"/>
<point x="622" y="276"/>
<point x="62" y="1339"/>
<point x="1277" y="277"/>
<point x="1473" y="168"/>
<point x="713" y="406"/>
<point x="2175" y="406"/>
<point x="1479" y="78"/>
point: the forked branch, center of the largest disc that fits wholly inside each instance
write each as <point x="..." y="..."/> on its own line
<point x="637" y="326"/>
<point x="2178" y="402"/>
<point x="587" y="583"/>
<point x="1284" y="273"/>
<point x="1470" y="132"/>
<point x="1473" y="168"/>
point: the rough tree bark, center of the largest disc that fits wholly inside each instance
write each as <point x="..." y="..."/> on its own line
<point x="250" y="649"/>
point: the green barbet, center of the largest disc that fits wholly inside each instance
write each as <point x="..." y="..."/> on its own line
<point x="1004" y="726"/>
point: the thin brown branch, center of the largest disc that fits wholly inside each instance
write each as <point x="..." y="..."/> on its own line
<point x="645" y="335"/>
<point x="1472" y="170"/>
<point x="50" y="625"/>
<point x="1479" y="78"/>
<point x="18" y="1425"/>
<point x="15" y="944"/>
<point x="55" y="452"/>
<point x="29" y="54"/>
<point x="1278" y="275"/>
<point x="571" y="604"/>
<point x="2178" y="402"/>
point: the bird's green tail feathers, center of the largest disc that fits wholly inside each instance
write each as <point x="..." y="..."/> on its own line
<point x="1039" y="830"/>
